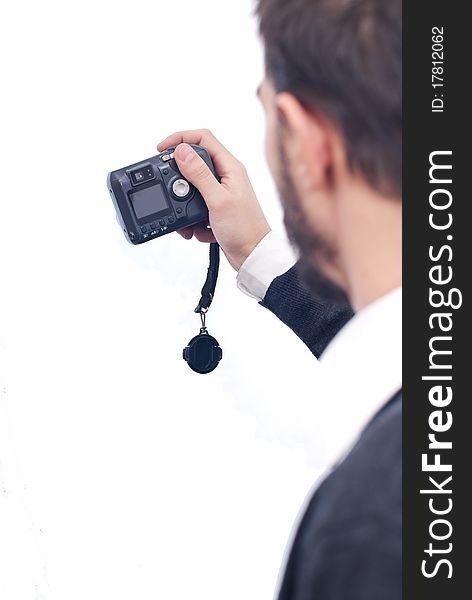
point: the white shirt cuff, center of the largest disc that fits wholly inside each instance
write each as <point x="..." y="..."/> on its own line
<point x="273" y="256"/>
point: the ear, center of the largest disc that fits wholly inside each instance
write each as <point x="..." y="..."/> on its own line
<point x="308" y="140"/>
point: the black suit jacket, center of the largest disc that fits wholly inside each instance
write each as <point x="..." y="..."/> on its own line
<point x="348" y="543"/>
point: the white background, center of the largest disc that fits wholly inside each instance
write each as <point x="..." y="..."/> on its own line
<point x="123" y="474"/>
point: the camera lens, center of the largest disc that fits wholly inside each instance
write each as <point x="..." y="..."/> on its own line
<point x="181" y="188"/>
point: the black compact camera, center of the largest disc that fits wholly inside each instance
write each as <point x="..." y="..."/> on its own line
<point x="152" y="198"/>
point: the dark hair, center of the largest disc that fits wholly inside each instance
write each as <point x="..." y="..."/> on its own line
<point x="343" y="59"/>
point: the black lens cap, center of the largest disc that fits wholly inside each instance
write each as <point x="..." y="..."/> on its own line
<point x="203" y="354"/>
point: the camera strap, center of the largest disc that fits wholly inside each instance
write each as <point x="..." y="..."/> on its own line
<point x="203" y="353"/>
<point x="208" y="290"/>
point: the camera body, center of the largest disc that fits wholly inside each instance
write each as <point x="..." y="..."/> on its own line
<point x="152" y="198"/>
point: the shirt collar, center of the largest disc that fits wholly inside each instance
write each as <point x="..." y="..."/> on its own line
<point x="361" y="371"/>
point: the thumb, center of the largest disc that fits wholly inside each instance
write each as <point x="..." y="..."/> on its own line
<point x="194" y="169"/>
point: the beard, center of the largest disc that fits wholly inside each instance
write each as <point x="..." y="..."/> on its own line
<point x="312" y="246"/>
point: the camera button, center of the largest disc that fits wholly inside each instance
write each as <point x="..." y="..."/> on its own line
<point x="171" y="220"/>
<point x="162" y="222"/>
<point x="179" y="211"/>
<point x="181" y="188"/>
<point x="143" y="229"/>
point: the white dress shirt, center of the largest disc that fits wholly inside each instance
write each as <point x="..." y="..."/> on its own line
<point x="361" y="369"/>
<point x="362" y="366"/>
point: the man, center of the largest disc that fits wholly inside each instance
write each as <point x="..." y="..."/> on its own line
<point x="332" y="97"/>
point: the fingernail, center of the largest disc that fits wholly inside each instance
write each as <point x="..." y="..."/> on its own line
<point x="185" y="152"/>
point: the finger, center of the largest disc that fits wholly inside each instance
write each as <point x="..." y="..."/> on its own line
<point x="204" y="234"/>
<point x="186" y="232"/>
<point x="194" y="169"/>
<point x="222" y="158"/>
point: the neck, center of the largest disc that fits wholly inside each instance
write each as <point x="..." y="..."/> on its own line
<point x="370" y="228"/>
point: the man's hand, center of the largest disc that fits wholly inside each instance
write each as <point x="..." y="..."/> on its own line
<point x="237" y="222"/>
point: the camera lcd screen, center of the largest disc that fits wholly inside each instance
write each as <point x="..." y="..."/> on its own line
<point x="149" y="201"/>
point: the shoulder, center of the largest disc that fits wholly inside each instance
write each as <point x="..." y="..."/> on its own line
<point x="367" y="484"/>
<point x="350" y="537"/>
<point x="375" y="462"/>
